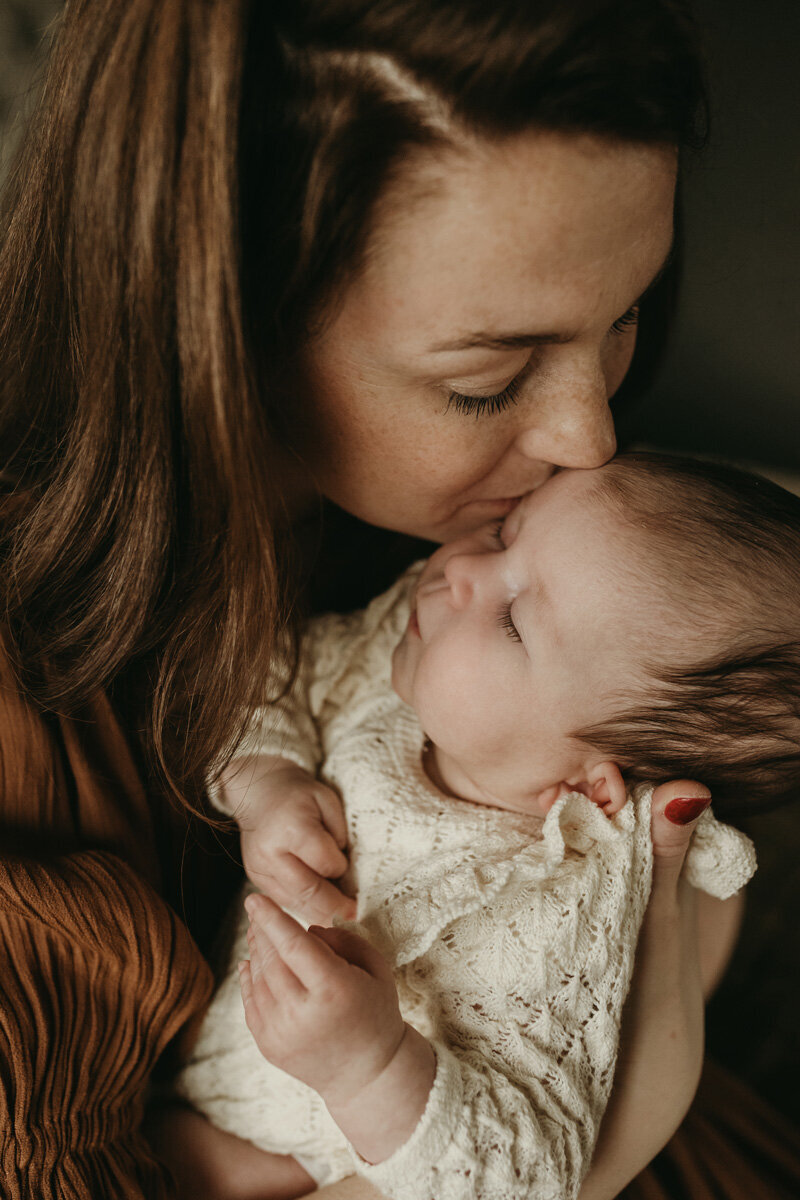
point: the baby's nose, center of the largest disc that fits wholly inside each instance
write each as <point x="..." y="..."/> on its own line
<point x="460" y="576"/>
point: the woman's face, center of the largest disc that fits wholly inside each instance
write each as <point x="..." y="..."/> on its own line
<point x="495" y="316"/>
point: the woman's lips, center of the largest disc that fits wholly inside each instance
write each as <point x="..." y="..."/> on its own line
<point x="509" y="504"/>
<point x="501" y="507"/>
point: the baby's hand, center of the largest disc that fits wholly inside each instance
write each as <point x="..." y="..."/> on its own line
<point x="322" y="1005"/>
<point x="293" y="835"/>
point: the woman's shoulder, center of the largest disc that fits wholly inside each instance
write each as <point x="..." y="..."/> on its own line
<point x="68" y="780"/>
<point x="31" y="770"/>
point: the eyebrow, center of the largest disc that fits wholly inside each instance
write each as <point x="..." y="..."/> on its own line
<point x="522" y="341"/>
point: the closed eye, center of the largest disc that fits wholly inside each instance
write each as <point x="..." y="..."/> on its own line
<point x="628" y="320"/>
<point x="476" y="405"/>
<point x="506" y="623"/>
<point x="496" y="529"/>
<point x="499" y="402"/>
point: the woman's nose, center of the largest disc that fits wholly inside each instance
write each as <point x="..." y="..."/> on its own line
<point x="571" y="423"/>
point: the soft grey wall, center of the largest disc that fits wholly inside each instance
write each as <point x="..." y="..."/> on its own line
<point x="731" y="382"/>
<point x="22" y="24"/>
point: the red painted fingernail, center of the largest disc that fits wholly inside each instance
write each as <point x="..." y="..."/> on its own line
<point x="682" y="811"/>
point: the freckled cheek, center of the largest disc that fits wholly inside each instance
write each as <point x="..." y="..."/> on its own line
<point x="410" y="436"/>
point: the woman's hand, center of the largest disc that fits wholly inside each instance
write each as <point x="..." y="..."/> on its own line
<point x="293" y="835"/>
<point x="208" y="1162"/>
<point x="322" y="1005"/>
<point x="661" y="1047"/>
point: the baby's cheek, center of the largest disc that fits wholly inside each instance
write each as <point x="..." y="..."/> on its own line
<point x="450" y="702"/>
<point x="401" y="672"/>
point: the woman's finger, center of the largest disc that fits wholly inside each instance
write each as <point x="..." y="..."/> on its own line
<point x="675" y="809"/>
<point x="266" y="955"/>
<point x="308" y="958"/>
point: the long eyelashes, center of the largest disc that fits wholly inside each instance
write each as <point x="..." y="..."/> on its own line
<point x="627" y="320"/>
<point x="477" y="405"/>
<point x="504" y="620"/>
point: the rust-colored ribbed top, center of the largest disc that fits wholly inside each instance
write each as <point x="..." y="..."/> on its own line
<point x="99" y="973"/>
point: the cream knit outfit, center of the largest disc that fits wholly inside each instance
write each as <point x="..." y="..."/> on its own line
<point x="512" y="940"/>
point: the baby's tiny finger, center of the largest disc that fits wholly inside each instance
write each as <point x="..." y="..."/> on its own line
<point x="259" y="951"/>
<point x="320" y="852"/>
<point x="248" y="986"/>
<point x="332" y="813"/>
<point x="256" y="998"/>
<point x="309" y="958"/>
<point x="268" y="924"/>
<point x="315" y="898"/>
<point x="245" y="982"/>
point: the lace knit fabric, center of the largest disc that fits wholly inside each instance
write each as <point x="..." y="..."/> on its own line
<point x="512" y="941"/>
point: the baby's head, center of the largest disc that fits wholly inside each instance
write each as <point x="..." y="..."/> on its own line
<point x="639" y="621"/>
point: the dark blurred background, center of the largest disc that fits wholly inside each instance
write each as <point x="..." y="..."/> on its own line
<point x="731" y="382"/>
<point x="729" y="387"/>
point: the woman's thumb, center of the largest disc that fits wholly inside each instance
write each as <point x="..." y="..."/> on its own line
<point x="674" y="811"/>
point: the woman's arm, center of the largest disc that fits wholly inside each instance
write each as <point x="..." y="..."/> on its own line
<point x="98" y="976"/>
<point x="658" y="1066"/>
<point x="686" y="942"/>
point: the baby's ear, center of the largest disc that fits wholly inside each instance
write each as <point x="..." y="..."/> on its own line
<point x="607" y="787"/>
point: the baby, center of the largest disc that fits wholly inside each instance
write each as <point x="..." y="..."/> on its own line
<point x="481" y="721"/>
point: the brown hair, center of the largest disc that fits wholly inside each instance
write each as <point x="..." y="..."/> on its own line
<point x="726" y="544"/>
<point x="197" y="183"/>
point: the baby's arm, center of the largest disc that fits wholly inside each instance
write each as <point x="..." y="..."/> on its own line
<point x="322" y="1005"/>
<point x="293" y="834"/>
<point x="292" y="826"/>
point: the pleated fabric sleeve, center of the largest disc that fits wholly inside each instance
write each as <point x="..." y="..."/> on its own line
<point x="98" y="972"/>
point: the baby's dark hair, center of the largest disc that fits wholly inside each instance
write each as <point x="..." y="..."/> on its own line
<point x="727" y="547"/>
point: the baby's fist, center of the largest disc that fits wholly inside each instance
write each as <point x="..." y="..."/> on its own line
<point x="293" y="837"/>
<point x="321" y="1004"/>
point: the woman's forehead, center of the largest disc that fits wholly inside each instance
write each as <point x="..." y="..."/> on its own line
<point x="524" y="231"/>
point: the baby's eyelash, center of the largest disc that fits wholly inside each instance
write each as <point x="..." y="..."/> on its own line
<point x="506" y="623"/>
<point x="627" y="320"/>
<point x="476" y="405"/>
<point x="497" y="531"/>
